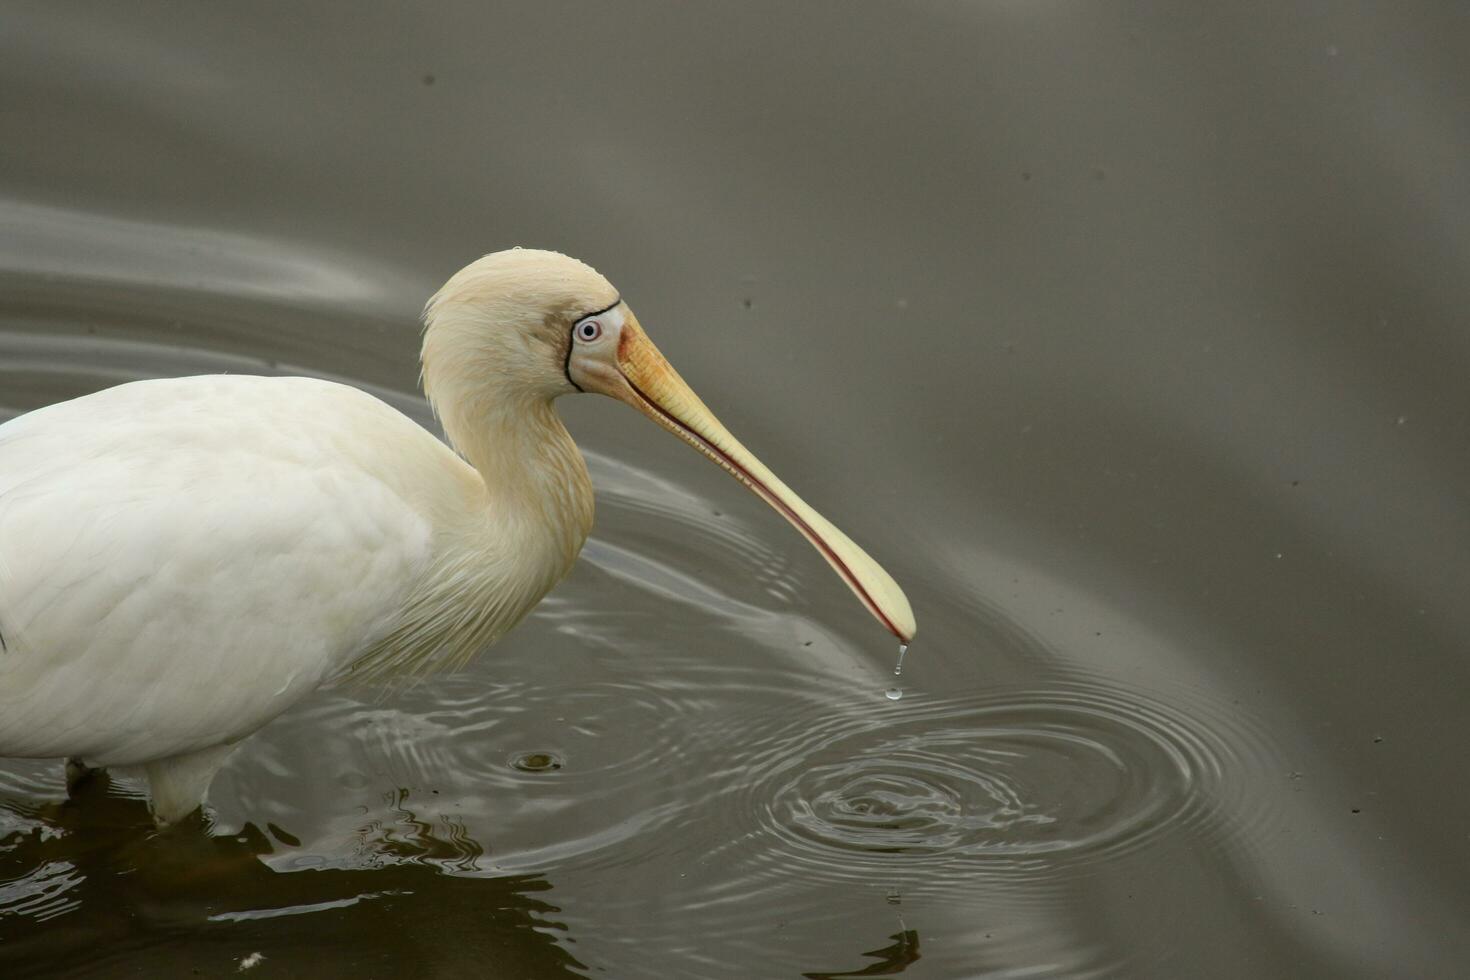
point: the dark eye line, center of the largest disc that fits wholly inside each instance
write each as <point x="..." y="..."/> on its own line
<point x="566" y="366"/>
<point x="615" y="304"/>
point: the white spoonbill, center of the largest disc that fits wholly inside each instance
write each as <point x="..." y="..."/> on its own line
<point x="181" y="560"/>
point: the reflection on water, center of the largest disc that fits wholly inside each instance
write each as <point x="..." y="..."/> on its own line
<point x="88" y="888"/>
<point x="892" y="960"/>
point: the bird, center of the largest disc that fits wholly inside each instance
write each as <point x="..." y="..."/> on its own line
<point x="183" y="559"/>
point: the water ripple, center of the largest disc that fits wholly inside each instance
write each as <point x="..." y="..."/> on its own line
<point x="44" y="242"/>
<point x="1020" y="787"/>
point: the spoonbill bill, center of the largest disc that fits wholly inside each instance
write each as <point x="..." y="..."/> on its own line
<point x="183" y="559"/>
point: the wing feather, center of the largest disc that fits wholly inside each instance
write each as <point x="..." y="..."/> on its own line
<point x="179" y="558"/>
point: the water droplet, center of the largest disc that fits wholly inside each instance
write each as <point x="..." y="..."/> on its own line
<point x="893" y="694"/>
<point x="903" y="648"/>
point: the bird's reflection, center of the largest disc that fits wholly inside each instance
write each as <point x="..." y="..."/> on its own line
<point x="190" y="902"/>
<point x="892" y="959"/>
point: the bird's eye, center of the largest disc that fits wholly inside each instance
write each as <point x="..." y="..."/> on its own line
<point x="589" y="330"/>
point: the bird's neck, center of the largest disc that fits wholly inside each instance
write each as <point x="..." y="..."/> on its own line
<point x="535" y="478"/>
<point x="506" y="540"/>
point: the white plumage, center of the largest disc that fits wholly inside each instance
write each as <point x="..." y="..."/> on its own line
<point x="182" y="560"/>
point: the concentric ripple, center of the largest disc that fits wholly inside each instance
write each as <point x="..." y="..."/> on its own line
<point x="1017" y="787"/>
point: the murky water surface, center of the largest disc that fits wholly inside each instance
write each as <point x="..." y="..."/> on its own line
<point x="1133" y="344"/>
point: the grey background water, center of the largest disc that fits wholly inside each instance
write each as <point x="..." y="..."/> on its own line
<point x="1131" y="338"/>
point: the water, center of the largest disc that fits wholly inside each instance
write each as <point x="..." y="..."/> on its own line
<point x="1180" y="422"/>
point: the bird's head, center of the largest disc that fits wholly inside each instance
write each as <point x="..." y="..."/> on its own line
<point x="534" y="324"/>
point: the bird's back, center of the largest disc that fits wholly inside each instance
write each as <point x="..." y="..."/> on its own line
<point x="181" y="558"/>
